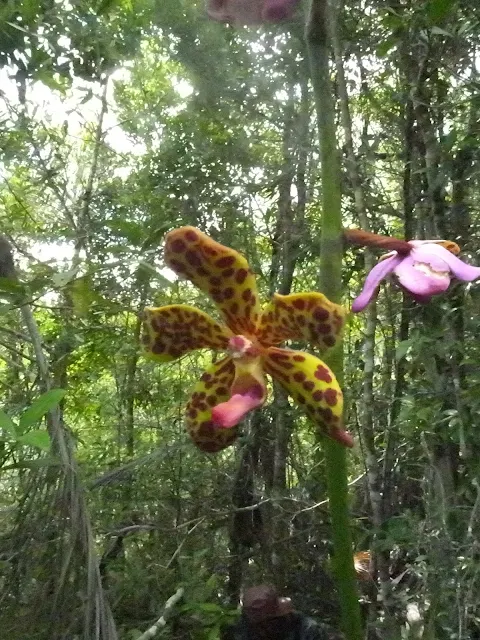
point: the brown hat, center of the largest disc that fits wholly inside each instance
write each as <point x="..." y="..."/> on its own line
<point x="262" y="603"/>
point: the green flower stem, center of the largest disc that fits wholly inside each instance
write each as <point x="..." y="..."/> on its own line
<point x="330" y="283"/>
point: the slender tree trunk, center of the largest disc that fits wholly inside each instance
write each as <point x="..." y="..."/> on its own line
<point x="285" y="252"/>
<point x="330" y="281"/>
<point x="374" y="477"/>
<point x="127" y="390"/>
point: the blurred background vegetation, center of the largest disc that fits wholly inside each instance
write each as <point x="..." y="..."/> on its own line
<point x="123" y="119"/>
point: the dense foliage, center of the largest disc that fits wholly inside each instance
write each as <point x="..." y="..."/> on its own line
<point x="123" y="119"/>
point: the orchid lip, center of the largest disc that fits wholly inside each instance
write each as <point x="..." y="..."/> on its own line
<point x="427" y="270"/>
<point x="229" y="414"/>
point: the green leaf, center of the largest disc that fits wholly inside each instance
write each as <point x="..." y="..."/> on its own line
<point x="438" y="10"/>
<point x="39" y="463"/>
<point x="214" y="632"/>
<point x="64" y="277"/>
<point x="82" y="295"/>
<point x="440" y="32"/>
<point x="132" y="231"/>
<point x="155" y="237"/>
<point x="402" y="349"/>
<point x="7" y="424"/>
<point x="29" y="9"/>
<point x="9" y="285"/>
<point x="40" y="407"/>
<point x="209" y="607"/>
<point x="87" y="97"/>
<point x="146" y="267"/>
<point x="53" y="81"/>
<point x="212" y="582"/>
<point x="384" y="47"/>
<point x="106" y="6"/>
<point x="38" y="438"/>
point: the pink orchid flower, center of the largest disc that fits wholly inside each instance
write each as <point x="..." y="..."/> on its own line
<point x="424" y="270"/>
<point x="251" y="12"/>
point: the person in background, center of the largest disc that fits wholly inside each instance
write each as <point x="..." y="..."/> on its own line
<point x="266" y="616"/>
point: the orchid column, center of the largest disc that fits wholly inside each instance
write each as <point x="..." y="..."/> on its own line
<point x="330" y="283"/>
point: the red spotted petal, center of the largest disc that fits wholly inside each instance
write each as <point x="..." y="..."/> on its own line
<point x="212" y="389"/>
<point x="220" y="272"/>
<point x="301" y="316"/>
<point x="170" y="332"/>
<point x="314" y="388"/>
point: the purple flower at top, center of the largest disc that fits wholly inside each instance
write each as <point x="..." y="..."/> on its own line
<point x="424" y="271"/>
<point x="251" y="12"/>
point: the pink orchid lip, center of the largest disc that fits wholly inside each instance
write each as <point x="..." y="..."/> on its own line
<point x="422" y="278"/>
<point x="229" y="414"/>
<point x="430" y="252"/>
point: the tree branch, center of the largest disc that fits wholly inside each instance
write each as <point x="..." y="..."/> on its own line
<point x="162" y="621"/>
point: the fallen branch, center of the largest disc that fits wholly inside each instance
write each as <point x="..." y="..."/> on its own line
<point x="162" y="621"/>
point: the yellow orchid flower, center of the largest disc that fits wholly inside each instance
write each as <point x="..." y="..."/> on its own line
<point x="235" y="384"/>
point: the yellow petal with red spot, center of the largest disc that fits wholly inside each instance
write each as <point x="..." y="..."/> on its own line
<point x="301" y="316"/>
<point x="213" y="388"/>
<point x="170" y="332"/>
<point x="313" y="386"/>
<point x="218" y="271"/>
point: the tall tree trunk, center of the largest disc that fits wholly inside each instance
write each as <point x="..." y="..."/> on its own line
<point x="285" y="252"/>
<point x="409" y="194"/>
<point x="374" y="476"/>
<point x="318" y="38"/>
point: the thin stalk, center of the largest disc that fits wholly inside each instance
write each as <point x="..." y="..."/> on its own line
<point x="330" y="283"/>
